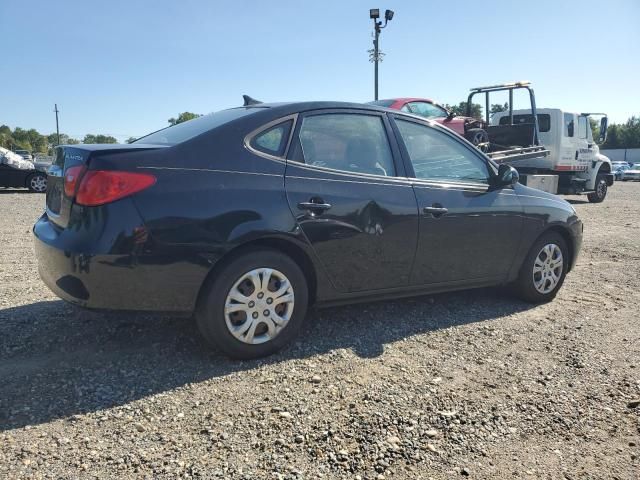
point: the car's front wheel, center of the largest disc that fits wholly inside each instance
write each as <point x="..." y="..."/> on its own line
<point x="255" y="305"/>
<point x="543" y="270"/>
<point x="37" y="182"/>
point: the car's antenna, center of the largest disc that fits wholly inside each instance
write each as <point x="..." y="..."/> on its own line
<point x="248" y="101"/>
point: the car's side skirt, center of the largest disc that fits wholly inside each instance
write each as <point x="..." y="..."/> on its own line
<point x="410" y="291"/>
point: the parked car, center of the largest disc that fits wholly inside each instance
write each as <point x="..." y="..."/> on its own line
<point x="15" y="172"/>
<point x="618" y="169"/>
<point x="25" y="154"/>
<point x="632" y="173"/>
<point x="247" y="216"/>
<point x="470" y="128"/>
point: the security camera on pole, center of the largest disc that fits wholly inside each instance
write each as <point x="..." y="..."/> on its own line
<point x="375" y="54"/>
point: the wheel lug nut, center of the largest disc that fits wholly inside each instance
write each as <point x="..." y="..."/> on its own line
<point x="255" y="315"/>
<point x="269" y="301"/>
<point x="266" y="313"/>
<point x="260" y="295"/>
<point x="252" y="304"/>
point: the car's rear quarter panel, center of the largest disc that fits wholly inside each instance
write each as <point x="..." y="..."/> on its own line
<point x="188" y="211"/>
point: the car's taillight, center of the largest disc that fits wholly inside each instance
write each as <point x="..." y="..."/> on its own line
<point x="71" y="177"/>
<point x="98" y="187"/>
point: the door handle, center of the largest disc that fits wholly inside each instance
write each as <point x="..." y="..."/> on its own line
<point x="314" y="207"/>
<point x="436" y="210"/>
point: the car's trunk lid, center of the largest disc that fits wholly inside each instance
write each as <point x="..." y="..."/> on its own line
<point x="58" y="203"/>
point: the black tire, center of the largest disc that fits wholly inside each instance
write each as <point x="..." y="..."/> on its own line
<point x="37" y="182"/>
<point x="477" y="136"/>
<point x="210" y="314"/>
<point x="524" y="286"/>
<point x="600" y="192"/>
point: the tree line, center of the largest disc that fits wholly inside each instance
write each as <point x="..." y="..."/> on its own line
<point x="36" y="142"/>
<point x="623" y="135"/>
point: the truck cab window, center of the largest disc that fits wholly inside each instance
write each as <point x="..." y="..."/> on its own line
<point x="582" y="126"/>
<point x="568" y="124"/>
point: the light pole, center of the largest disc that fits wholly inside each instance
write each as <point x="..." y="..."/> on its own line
<point x="57" y="127"/>
<point x="376" y="55"/>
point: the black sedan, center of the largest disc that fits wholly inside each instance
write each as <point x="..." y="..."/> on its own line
<point x="247" y="216"/>
<point x="35" y="179"/>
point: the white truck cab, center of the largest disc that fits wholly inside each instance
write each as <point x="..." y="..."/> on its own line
<point x="574" y="163"/>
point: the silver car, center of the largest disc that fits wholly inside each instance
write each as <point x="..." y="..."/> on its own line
<point x="26" y="154"/>
<point x="632" y="173"/>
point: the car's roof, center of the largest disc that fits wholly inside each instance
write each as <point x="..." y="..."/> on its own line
<point x="314" y="105"/>
<point x="282" y="109"/>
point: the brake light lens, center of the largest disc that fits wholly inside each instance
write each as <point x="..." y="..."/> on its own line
<point x="71" y="178"/>
<point x="98" y="187"/>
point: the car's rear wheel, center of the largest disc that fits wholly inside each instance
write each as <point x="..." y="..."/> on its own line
<point x="543" y="270"/>
<point x="37" y="182"/>
<point x="600" y="192"/>
<point x="255" y="305"/>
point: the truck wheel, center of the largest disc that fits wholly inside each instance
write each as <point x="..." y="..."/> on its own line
<point x="477" y="136"/>
<point x="600" y="192"/>
<point x="543" y="270"/>
<point x="254" y="306"/>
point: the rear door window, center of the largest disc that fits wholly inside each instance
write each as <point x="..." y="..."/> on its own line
<point x="350" y="142"/>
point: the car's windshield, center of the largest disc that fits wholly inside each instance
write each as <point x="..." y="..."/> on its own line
<point x="192" y="128"/>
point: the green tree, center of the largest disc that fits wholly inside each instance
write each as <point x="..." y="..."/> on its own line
<point x="131" y="139"/>
<point x="461" y="109"/>
<point x="498" y="107"/>
<point x="183" y="117"/>
<point x="631" y="133"/>
<point x="6" y="138"/>
<point x="91" y="138"/>
<point x="613" y="137"/>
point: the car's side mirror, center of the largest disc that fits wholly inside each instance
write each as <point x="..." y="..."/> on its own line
<point x="507" y="176"/>
<point x="451" y="115"/>
<point x="604" y="122"/>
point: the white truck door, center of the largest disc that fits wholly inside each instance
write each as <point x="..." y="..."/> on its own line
<point x="584" y="144"/>
<point x="568" y="160"/>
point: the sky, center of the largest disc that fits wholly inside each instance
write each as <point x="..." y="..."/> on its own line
<point x="124" y="67"/>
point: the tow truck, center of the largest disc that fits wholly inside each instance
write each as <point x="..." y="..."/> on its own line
<point x="553" y="150"/>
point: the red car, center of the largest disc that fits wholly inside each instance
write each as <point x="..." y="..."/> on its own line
<point x="470" y="128"/>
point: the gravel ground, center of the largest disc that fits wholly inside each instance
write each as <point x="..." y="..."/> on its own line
<point x="470" y="384"/>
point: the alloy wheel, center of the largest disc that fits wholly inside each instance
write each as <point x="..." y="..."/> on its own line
<point x="547" y="268"/>
<point x="259" y="306"/>
<point x="38" y="183"/>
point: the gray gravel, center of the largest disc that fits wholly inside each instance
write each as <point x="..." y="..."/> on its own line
<point x="471" y="384"/>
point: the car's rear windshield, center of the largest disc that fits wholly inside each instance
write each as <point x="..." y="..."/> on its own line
<point x="382" y="103"/>
<point x="192" y="128"/>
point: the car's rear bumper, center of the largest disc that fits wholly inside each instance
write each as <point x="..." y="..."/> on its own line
<point x="122" y="281"/>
